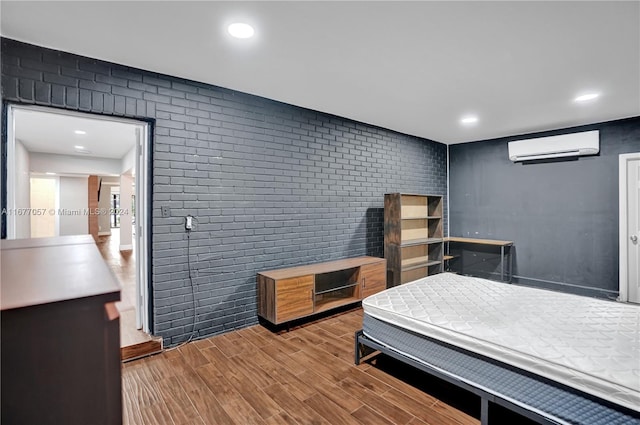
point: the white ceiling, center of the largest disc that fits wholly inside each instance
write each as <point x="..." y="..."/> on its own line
<point x="54" y="133"/>
<point x="414" y="67"/>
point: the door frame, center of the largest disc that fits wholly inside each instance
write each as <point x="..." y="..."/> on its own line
<point x="143" y="148"/>
<point x="9" y="222"/>
<point x="623" y="208"/>
<point x="142" y="206"/>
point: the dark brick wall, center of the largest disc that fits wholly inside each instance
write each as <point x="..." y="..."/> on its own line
<point x="271" y="185"/>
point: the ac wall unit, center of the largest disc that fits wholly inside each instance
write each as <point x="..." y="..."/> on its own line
<point x="574" y="144"/>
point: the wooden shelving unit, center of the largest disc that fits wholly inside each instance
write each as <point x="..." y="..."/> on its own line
<point x="413" y="236"/>
<point x="292" y="293"/>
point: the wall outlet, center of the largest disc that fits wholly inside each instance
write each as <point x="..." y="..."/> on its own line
<point x="166" y="212"/>
<point x="188" y="224"/>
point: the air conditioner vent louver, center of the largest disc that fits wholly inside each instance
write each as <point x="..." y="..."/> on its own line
<point x="564" y="145"/>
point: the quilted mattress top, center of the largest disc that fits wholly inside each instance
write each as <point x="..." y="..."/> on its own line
<point x="589" y="344"/>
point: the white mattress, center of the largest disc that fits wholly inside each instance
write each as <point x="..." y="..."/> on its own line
<point x="588" y="344"/>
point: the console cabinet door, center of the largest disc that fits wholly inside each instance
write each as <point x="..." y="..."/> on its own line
<point x="373" y="278"/>
<point x="294" y="298"/>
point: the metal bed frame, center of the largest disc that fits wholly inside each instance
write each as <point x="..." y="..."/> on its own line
<point x="541" y="400"/>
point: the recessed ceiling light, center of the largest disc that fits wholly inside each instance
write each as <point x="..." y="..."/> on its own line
<point x="586" y="97"/>
<point x="80" y="132"/>
<point x="240" y="30"/>
<point x="48" y="173"/>
<point x="471" y="119"/>
<point x="82" y="150"/>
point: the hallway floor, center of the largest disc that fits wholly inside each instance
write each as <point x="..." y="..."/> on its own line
<point x="133" y="342"/>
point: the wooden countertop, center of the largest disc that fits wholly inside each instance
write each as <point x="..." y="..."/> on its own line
<point x="478" y="241"/>
<point x="318" y="268"/>
<point x="46" y="270"/>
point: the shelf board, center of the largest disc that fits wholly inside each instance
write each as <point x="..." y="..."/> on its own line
<point x="410" y="262"/>
<point x="418" y="262"/>
<point x="325" y="305"/>
<point x="421" y="241"/>
<point x="326" y="291"/>
<point x="449" y="257"/>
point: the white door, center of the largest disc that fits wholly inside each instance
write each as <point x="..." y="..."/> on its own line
<point x="629" y="208"/>
<point x="633" y="229"/>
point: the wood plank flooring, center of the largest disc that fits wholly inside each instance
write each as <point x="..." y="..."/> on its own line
<point x="305" y="376"/>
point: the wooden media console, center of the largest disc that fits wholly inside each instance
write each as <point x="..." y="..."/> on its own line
<point x="296" y="292"/>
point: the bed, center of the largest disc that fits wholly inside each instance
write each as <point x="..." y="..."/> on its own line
<point x="553" y="357"/>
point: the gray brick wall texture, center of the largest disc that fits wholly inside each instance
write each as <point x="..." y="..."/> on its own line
<point x="271" y="185"/>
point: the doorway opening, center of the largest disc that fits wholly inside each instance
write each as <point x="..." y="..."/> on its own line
<point x="74" y="166"/>
<point x="629" y="171"/>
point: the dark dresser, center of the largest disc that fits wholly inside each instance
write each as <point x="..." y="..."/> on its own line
<point x="60" y="340"/>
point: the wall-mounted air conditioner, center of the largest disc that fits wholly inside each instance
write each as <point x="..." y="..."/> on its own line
<point x="574" y="144"/>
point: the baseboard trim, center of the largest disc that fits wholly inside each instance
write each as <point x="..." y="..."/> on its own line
<point x="566" y="287"/>
<point x="548" y="284"/>
<point x="126" y="247"/>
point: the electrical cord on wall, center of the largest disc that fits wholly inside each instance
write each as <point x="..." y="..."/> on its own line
<point x="188" y="228"/>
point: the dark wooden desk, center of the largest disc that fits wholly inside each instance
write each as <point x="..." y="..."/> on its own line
<point x="492" y="242"/>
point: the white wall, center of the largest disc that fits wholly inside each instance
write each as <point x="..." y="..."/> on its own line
<point x="104" y="203"/>
<point x="23" y="191"/>
<point x="74" y="196"/>
<point x="72" y="164"/>
<point x="128" y="161"/>
<point x="126" y="190"/>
